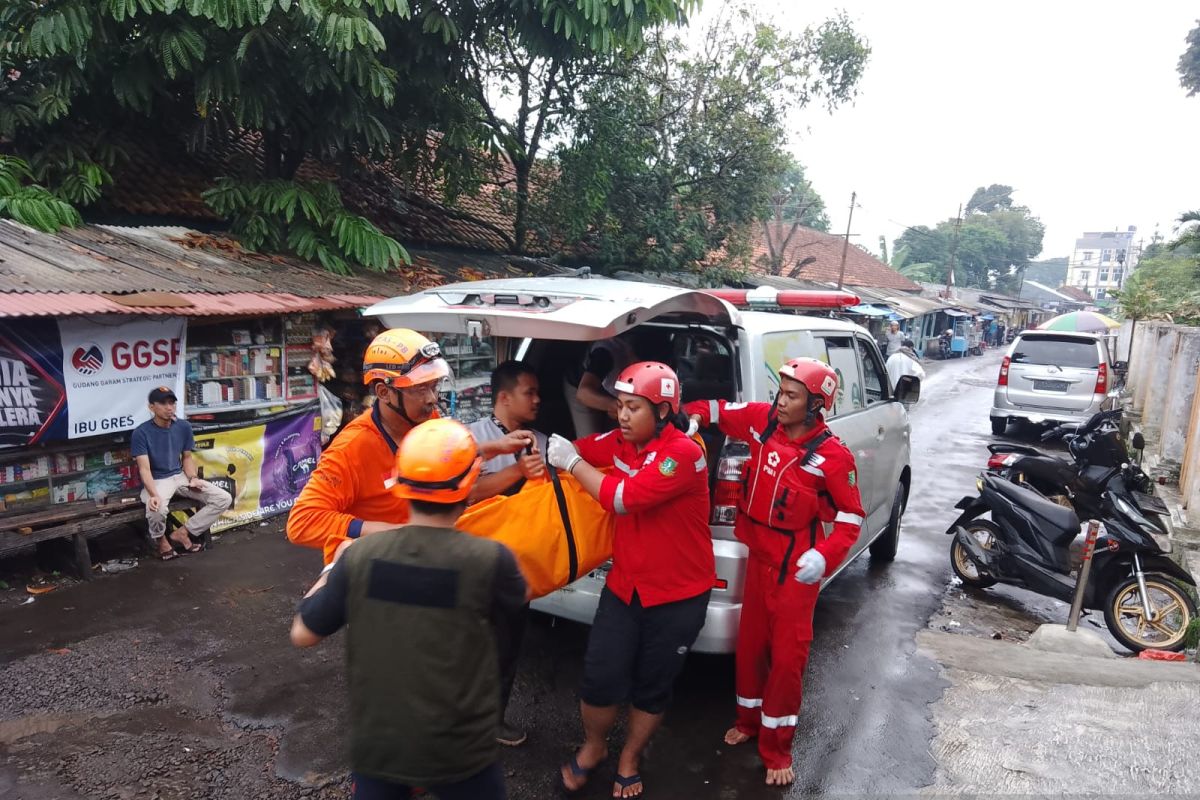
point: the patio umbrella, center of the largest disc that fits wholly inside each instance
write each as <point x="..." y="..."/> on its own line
<point x="1085" y="321"/>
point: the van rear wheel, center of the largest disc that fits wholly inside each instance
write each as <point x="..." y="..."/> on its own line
<point x="884" y="548"/>
<point x="999" y="425"/>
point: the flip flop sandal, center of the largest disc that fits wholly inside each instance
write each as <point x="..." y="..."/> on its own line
<point x="169" y="555"/>
<point x="578" y="772"/>
<point x="625" y="782"/>
<point x="190" y="547"/>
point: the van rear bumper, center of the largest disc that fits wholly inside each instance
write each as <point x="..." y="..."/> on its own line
<point x="577" y="602"/>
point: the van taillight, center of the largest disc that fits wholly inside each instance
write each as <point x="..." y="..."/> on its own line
<point x="728" y="489"/>
<point x="1004" y="372"/>
<point x="1102" y="379"/>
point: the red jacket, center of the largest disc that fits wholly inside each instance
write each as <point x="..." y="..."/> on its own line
<point x="787" y="488"/>
<point x="662" y="545"/>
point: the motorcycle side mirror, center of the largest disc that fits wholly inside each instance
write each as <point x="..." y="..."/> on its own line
<point x="908" y="389"/>
<point x="1139" y="441"/>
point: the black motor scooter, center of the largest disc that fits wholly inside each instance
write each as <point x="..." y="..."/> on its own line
<point x="1033" y="542"/>
<point x="1099" y="462"/>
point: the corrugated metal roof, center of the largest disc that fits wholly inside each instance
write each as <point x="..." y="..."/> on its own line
<point x="187" y="304"/>
<point x="71" y="272"/>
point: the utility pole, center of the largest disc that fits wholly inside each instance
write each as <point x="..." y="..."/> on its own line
<point x="846" y="244"/>
<point x="953" y="250"/>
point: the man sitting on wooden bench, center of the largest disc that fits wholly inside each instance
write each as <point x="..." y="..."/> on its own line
<point x="162" y="447"/>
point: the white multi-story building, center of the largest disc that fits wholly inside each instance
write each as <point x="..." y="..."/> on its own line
<point x="1103" y="261"/>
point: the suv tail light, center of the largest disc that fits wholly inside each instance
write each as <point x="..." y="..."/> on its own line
<point x="1001" y="460"/>
<point x="1003" y="381"/>
<point x="1102" y="378"/>
<point x="728" y="489"/>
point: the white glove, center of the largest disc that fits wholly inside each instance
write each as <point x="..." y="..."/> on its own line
<point x="810" y="567"/>
<point x="693" y="426"/>
<point x="561" y="453"/>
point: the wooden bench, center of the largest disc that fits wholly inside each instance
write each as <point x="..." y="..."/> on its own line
<point x="78" y="521"/>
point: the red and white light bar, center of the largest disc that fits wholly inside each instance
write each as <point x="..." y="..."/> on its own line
<point x="769" y="297"/>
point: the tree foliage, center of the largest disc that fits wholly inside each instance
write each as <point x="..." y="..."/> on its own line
<point x="1163" y="287"/>
<point x="678" y="147"/>
<point x="337" y="82"/>
<point x="1189" y="63"/>
<point x="995" y="241"/>
<point x="27" y="202"/>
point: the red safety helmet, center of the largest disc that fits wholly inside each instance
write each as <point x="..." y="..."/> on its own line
<point x="817" y="376"/>
<point x="652" y="380"/>
<point x="437" y="461"/>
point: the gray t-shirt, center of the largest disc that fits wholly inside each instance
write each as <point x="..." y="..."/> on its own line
<point x="894" y="342"/>
<point x="486" y="430"/>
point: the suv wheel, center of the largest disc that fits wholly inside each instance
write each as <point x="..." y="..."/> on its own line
<point x="884" y="548"/>
<point x="999" y="425"/>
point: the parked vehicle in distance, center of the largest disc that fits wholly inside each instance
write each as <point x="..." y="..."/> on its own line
<point x="1053" y="377"/>
<point x="719" y="352"/>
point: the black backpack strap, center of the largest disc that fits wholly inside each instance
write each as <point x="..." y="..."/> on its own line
<point x="572" y="549"/>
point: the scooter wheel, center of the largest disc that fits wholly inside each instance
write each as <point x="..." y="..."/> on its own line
<point x="1126" y="620"/>
<point x="962" y="565"/>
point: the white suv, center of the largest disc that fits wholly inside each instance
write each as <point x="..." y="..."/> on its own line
<point x="719" y="352"/>
<point x="1053" y="377"/>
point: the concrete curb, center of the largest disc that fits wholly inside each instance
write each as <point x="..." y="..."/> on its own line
<point x="1012" y="660"/>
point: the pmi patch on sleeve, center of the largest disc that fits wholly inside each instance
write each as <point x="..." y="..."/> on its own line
<point x="667" y="467"/>
<point x="852" y="477"/>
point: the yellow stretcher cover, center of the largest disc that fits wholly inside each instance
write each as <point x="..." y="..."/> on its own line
<point x="531" y="523"/>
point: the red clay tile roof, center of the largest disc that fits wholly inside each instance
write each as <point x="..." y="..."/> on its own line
<point x="162" y="181"/>
<point x="825" y="250"/>
<point x="1075" y="293"/>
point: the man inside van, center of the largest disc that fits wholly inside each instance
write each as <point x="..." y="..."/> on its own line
<point x="515" y="403"/>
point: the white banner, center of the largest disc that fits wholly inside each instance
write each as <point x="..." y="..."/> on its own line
<point x="110" y="366"/>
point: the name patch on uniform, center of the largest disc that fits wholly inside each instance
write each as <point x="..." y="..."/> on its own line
<point x="413" y="585"/>
<point x="667" y="466"/>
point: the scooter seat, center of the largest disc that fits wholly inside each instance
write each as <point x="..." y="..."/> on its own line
<point x="1060" y="519"/>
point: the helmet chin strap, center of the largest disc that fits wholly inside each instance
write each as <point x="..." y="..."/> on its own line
<point x="399" y="409"/>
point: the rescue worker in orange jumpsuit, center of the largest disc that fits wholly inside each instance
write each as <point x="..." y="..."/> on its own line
<point x="350" y="492"/>
<point x="798" y="478"/>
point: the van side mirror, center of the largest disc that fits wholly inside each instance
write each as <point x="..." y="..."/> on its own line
<point x="908" y="389"/>
<point x="1139" y="441"/>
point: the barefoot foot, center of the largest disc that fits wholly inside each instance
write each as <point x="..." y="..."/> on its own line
<point x="733" y="736"/>
<point x="780" y="777"/>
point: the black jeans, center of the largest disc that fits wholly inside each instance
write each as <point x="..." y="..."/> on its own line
<point x="486" y="785"/>
<point x="510" y="630"/>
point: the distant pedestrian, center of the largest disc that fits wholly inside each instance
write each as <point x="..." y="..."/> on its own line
<point x="417" y="602"/>
<point x="162" y="448"/>
<point x="904" y="362"/>
<point x="894" y="338"/>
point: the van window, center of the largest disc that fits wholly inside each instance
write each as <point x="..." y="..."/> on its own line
<point x="781" y="346"/>
<point x="841" y="354"/>
<point x="1056" y="351"/>
<point x="873" y="373"/>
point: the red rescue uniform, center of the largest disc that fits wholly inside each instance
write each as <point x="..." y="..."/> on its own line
<point x="662" y="545"/>
<point x="352" y="484"/>
<point x="792" y="490"/>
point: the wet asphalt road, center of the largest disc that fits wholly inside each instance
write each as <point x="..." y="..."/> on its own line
<point x="105" y="684"/>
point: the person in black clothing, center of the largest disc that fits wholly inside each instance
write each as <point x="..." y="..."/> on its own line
<point x="418" y="603"/>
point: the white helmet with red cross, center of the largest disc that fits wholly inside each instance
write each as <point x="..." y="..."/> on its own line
<point x="817" y="376"/>
<point x="652" y="380"/>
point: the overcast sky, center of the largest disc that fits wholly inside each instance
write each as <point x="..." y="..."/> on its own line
<point x="1075" y="104"/>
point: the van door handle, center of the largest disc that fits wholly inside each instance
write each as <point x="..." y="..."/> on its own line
<point x="880" y="433"/>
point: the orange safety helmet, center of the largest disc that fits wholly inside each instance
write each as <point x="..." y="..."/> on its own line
<point x="437" y="461"/>
<point x="817" y="376"/>
<point x="652" y="380"/>
<point x="401" y="357"/>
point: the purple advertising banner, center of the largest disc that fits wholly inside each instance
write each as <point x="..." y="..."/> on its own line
<point x="290" y="450"/>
